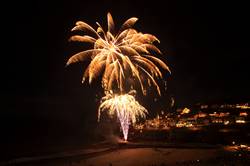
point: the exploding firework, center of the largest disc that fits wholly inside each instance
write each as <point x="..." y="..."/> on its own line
<point x="123" y="59"/>
<point x="119" y="55"/>
<point x="125" y="107"/>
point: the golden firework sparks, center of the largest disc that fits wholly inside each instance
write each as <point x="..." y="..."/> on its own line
<point x="119" y="55"/>
<point x="125" y="107"/>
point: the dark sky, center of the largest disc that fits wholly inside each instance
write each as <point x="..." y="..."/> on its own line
<point x="206" y="45"/>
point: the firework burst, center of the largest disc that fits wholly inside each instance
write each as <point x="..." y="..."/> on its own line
<point x="125" y="107"/>
<point x="119" y="55"/>
<point x="123" y="59"/>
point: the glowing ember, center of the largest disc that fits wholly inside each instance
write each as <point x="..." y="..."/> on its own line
<point x="121" y="55"/>
<point x="125" y="107"/>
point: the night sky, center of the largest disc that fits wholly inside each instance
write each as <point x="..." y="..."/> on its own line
<point x="206" y="45"/>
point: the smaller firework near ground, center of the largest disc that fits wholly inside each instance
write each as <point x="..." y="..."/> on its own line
<point x="125" y="107"/>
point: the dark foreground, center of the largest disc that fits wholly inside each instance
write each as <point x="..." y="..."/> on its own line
<point x="142" y="154"/>
<point x="214" y="145"/>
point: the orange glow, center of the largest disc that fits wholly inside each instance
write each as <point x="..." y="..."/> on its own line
<point x="240" y="121"/>
<point x="185" y="111"/>
<point x="243" y="106"/>
<point x="243" y="113"/>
